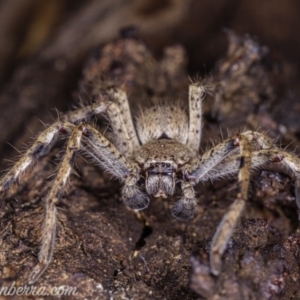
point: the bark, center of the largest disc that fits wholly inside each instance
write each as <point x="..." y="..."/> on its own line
<point x="102" y="248"/>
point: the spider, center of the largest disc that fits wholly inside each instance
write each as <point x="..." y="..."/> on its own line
<point x="151" y="159"/>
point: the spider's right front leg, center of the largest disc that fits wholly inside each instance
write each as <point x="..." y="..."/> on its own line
<point x="47" y="138"/>
<point x="51" y="200"/>
<point x="199" y="171"/>
<point x="87" y="138"/>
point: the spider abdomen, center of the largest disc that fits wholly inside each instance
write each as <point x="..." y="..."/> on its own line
<point x="170" y="121"/>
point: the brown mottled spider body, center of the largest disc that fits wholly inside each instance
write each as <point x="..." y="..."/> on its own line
<point x="151" y="158"/>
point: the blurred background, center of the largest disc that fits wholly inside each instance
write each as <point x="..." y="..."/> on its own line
<point x="44" y="44"/>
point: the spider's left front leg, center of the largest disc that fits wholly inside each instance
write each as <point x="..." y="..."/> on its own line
<point x="199" y="170"/>
<point x="230" y="219"/>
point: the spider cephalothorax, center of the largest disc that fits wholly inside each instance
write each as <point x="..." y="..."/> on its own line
<point x="163" y="161"/>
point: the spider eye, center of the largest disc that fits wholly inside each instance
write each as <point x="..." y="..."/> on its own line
<point x="156" y="165"/>
<point x="168" y="165"/>
<point x="163" y="164"/>
<point x="152" y="165"/>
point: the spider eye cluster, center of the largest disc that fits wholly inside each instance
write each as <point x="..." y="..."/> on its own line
<point x="162" y="168"/>
<point x="153" y="165"/>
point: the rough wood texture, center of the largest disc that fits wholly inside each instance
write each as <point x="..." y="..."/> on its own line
<point x="104" y="249"/>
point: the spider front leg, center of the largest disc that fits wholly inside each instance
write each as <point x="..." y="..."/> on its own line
<point x="127" y="137"/>
<point x="230" y="165"/>
<point x="199" y="170"/>
<point x="51" y="200"/>
<point x="198" y="167"/>
<point x="105" y="154"/>
<point x="99" y="148"/>
<point x="86" y="137"/>
<point x="118" y="112"/>
<point x="229" y="221"/>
